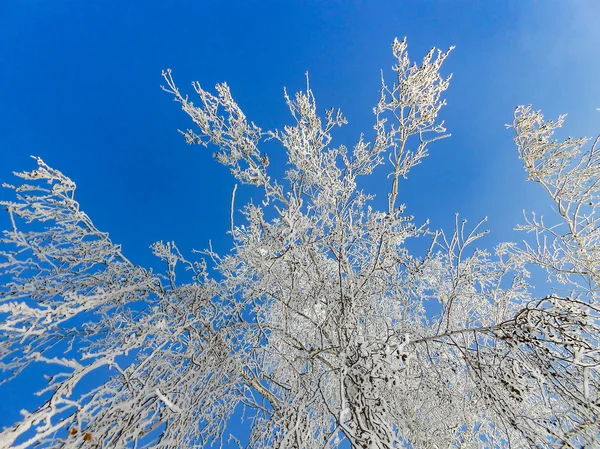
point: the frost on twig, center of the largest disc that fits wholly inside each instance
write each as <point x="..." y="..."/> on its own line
<point x="568" y="249"/>
<point x="72" y="301"/>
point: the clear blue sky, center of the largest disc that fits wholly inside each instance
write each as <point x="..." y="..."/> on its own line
<point x="79" y="86"/>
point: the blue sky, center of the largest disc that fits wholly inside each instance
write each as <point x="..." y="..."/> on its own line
<point x="79" y="86"/>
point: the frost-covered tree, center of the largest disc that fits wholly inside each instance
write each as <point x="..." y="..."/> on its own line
<point x="319" y="326"/>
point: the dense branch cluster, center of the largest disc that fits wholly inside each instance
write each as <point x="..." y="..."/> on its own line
<point x="319" y="327"/>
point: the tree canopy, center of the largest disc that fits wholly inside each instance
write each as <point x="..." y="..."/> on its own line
<point x="320" y="326"/>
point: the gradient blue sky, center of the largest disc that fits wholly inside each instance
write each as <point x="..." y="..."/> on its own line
<point x="79" y="86"/>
